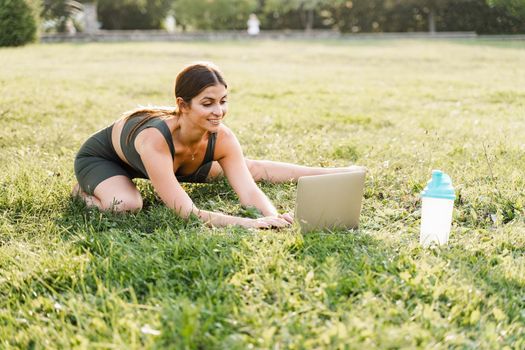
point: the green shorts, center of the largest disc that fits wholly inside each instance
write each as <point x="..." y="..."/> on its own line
<point x="97" y="161"/>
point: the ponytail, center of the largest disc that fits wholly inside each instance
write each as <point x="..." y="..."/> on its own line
<point x="148" y="114"/>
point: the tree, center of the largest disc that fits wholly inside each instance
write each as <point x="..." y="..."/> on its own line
<point x="132" y="14"/>
<point x="478" y="16"/>
<point x="305" y="8"/>
<point x="213" y="14"/>
<point x="375" y="16"/>
<point x="423" y="15"/>
<point x="17" y="23"/>
<point x="431" y="9"/>
<point x="60" y="11"/>
<point x="515" y="7"/>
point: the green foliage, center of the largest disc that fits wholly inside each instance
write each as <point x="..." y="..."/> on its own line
<point x="482" y="16"/>
<point x="498" y="16"/>
<point x="478" y="16"/>
<point x="17" y="23"/>
<point x="516" y="7"/>
<point x="72" y="277"/>
<point x="132" y="14"/>
<point x="60" y="11"/>
<point x="214" y="14"/>
<point x="303" y="9"/>
<point x="413" y="15"/>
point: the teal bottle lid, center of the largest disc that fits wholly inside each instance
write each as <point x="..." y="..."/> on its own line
<point x="440" y="186"/>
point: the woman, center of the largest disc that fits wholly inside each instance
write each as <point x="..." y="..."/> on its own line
<point x="187" y="144"/>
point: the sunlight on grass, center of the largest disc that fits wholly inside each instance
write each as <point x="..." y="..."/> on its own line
<point x="77" y="278"/>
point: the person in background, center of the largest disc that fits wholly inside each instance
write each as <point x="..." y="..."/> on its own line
<point x="253" y="25"/>
<point x="185" y="143"/>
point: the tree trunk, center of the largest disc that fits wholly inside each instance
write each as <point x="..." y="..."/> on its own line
<point x="309" y="20"/>
<point x="431" y="22"/>
<point x="91" y="24"/>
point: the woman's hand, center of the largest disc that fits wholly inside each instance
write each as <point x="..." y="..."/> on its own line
<point x="287" y="216"/>
<point x="268" y="222"/>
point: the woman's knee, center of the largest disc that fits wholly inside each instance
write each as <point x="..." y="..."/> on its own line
<point x="256" y="168"/>
<point x="118" y="194"/>
<point x="130" y="203"/>
<point x="215" y="171"/>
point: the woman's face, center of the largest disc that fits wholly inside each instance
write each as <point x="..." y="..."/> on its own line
<point x="208" y="108"/>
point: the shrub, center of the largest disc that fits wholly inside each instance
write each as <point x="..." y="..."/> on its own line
<point x="214" y="15"/>
<point x="132" y="14"/>
<point x="17" y="23"/>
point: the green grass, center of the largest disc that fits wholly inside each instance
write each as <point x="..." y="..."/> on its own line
<point x="77" y="278"/>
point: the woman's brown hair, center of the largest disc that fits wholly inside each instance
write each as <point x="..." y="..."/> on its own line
<point x="189" y="83"/>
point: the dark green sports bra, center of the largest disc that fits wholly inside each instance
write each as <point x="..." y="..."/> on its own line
<point x="136" y="163"/>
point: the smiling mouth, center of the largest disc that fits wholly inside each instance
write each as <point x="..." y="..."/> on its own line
<point x="215" y="121"/>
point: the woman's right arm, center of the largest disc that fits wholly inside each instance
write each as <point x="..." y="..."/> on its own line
<point x="157" y="160"/>
<point x="219" y="220"/>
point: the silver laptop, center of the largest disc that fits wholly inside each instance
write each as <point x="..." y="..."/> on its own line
<point x="329" y="201"/>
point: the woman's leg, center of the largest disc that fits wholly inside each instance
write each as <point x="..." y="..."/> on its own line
<point x="266" y="170"/>
<point x="117" y="193"/>
<point x="215" y="172"/>
<point x="91" y="201"/>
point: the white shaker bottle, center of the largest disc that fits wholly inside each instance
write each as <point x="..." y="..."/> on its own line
<point x="436" y="211"/>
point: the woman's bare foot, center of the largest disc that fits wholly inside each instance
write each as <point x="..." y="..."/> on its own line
<point x="357" y="168"/>
<point x="75" y="191"/>
<point x="91" y="201"/>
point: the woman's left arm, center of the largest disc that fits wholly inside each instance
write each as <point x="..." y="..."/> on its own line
<point x="229" y="154"/>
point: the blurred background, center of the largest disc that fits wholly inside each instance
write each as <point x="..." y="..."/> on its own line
<point x="23" y="21"/>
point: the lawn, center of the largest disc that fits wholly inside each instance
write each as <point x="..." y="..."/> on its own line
<point x="77" y="278"/>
